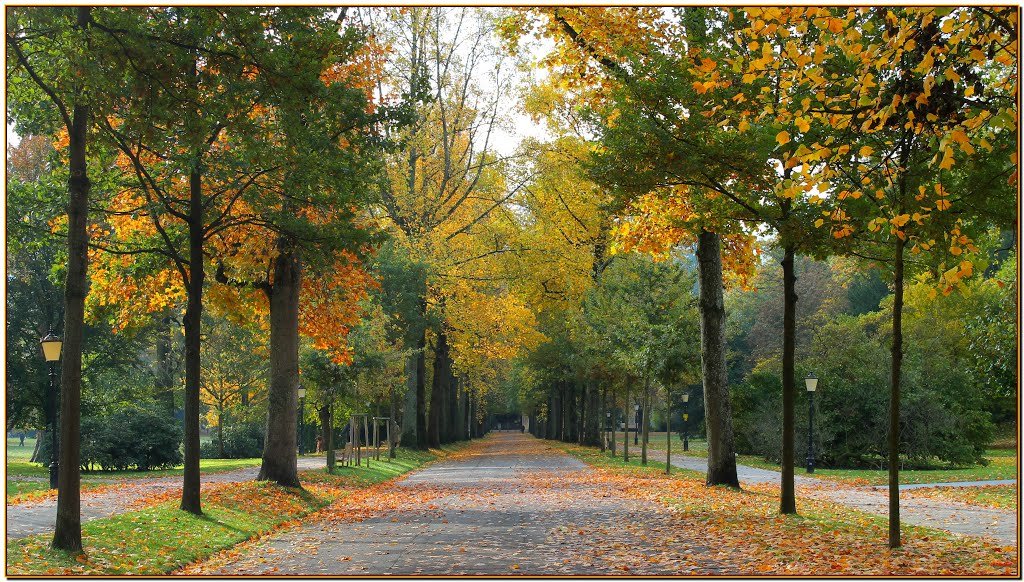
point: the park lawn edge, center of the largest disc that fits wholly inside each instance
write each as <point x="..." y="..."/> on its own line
<point x="233" y="514"/>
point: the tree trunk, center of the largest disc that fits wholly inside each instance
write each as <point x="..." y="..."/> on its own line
<point x="451" y="428"/>
<point x="421" y="382"/>
<point x="220" y="433"/>
<point x="67" y="534"/>
<point x="625" y="431"/>
<point x="894" y="397"/>
<point x="645" y="407"/>
<point x="164" y="383"/>
<point x="329" y="439"/>
<point x="324" y="414"/>
<point x="668" y="431"/>
<point x="409" y="411"/>
<point x="193" y="338"/>
<point x="788" y="497"/>
<point x="717" y="408"/>
<point x="279" y="450"/>
<point x="439" y="389"/>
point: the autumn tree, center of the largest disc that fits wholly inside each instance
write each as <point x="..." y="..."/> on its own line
<point x="445" y="186"/>
<point x="907" y="95"/>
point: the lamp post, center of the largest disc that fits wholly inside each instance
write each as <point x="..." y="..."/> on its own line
<point x="636" y="429"/>
<point x="686" y="418"/>
<point x="812" y="384"/>
<point x="51" y="345"/>
<point x="302" y="420"/>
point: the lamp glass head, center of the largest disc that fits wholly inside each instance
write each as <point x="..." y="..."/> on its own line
<point x="812" y="382"/>
<point x="51" y="345"/>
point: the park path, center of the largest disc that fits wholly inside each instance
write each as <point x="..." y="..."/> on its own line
<point x="952" y="516"/>
<point x="508" y="504"/>
<point x="25" y="519"/>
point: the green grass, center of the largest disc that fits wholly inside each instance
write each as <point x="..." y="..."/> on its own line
<point x="27" y="469"/>
<point x="1002" y="465"/>
<point x="22" y="487"/>
<point x="162" y="538"/>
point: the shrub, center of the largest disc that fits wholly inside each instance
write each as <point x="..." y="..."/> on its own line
<point x="140" y="438"/>
<point x="241" y="441"/>
<point x="942" y="416"/>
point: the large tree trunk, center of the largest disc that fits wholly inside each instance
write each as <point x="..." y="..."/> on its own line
<point x="788" y="497"/>
<point x="67" y="533"/>
<point x="409" y="413"/>
<point x="279" y="450"/>
<point x="894" y="397"/>
<point x="439" y="390"/>
<point x="717" y="408"/>
<point x="193" y="338"/>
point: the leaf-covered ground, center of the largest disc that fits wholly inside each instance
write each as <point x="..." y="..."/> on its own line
<point x="511" y="504"/>
<point x="997" y="496"/>
<point x="156" y="537"/>
<point x="825" y="539"/>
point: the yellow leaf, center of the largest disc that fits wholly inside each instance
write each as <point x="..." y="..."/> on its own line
<point x="818" y="223"/>
<point x="942" y="204"/>
<point x="900" y="220"/>
<point x="955" y="250"/>
<point x="947" y="159"/>
<point x="782" y="137"/>
<point x="866" y="151"/>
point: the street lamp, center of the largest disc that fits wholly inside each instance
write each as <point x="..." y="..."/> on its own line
<point x="51" y="345"/>
<point x="636" y="430"/>
<point x="812" y="384"/>
<point x="686" y="418"/>
<point x="302" y="414"/>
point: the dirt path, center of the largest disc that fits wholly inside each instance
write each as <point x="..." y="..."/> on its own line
<point x="508" y="504"/>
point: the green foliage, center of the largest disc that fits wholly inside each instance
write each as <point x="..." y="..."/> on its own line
<point x="243" y="440"/>
<point x="140" y="438"/>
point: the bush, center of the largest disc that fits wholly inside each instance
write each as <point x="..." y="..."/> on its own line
<point x="241" y="441"/>
<point x="942" y="416"/>
<point x="140" y="438"/>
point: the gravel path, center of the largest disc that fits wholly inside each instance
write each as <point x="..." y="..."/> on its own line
<point x="508" y="504"/>
<point x="27" y="519"/>
<point x="959" y="518"/>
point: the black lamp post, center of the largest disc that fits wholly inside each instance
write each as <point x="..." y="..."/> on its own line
<point x="51" y="345"/>
<point x="302" y="420"/>
<point x="636" y="430"/>
<point x="686" y="418"/>
<point x="812" y="384"/>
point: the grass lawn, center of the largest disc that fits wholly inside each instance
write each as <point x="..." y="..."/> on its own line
<point x="162" y="538"/>
<point x="748" y="533"/>
<point x="1002" y="465"/>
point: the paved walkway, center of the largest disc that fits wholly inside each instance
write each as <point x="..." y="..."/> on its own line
<point x="959" y="518"/>
<point x="31" y="518"/>
<point x="508" y="504"/>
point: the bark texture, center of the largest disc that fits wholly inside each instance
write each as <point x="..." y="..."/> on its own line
<point x="788" y="497"/>
<point x="193" y="338"/>
<point x="279" y="450"/>
<point x="717" y="408"/>
<point x="894" y="397"/>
